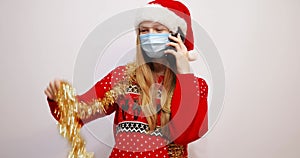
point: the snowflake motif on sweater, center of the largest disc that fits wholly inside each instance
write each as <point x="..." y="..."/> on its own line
<point x="188" y="116"/>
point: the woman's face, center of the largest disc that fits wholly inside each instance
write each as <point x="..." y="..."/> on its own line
<point x="152" y="27"/>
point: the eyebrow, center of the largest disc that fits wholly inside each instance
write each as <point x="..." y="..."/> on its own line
<point x="143" y="27"/>
<point x="153" y="26"/>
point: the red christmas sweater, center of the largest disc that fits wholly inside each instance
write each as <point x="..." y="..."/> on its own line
<point x="188" y="116"/>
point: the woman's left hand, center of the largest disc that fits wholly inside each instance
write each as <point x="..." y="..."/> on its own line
<point x="181" y="54"/>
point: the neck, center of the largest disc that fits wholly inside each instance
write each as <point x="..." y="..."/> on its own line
<point x="158" y="69"/>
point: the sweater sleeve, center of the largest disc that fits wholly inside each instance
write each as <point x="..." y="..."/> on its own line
<point x="189" y="119"/>
<point x="97" y="91"/>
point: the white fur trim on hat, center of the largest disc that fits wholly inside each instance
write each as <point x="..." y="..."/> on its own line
<point x="158" y="13"/>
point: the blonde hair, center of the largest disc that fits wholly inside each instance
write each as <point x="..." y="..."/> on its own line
<point x="143" y="75"/>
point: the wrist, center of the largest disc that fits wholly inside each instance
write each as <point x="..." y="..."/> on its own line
<point x="184" y="71"/>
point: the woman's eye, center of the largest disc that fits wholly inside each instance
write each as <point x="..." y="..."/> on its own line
<point x="160" y="30"/>
<point x="143" y="30"/>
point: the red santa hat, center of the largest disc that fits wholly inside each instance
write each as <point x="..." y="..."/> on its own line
<point x="172" y="14"/>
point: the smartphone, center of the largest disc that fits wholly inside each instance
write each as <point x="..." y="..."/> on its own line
<point x="179" y="31"/>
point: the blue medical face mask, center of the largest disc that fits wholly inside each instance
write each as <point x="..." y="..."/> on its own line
<point x="154" y="45"/>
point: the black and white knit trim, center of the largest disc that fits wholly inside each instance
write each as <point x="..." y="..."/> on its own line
<point x="137" y="127"/>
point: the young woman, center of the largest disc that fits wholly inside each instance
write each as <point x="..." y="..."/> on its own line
<point x="164" y="106"/>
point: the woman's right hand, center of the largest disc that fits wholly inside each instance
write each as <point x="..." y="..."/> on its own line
<point x="52" y="89"/>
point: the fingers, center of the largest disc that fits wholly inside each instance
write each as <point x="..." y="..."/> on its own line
<point x="178" y="44"/>
<point x="175" y="45"/>
<point x="170" y="51"/>
<point x="181" y="54"/>
<point x="52" y="89"/>
<point x="182" y="61"/>
<point x="57" y="84"/>
<point x="49" y="94"/>
<point x="181" y="42"/>
<point x="178" y="41"/>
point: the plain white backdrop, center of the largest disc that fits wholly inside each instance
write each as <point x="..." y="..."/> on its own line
<point x="258" y="41"/>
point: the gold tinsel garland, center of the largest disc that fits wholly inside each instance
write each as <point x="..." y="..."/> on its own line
<point x="71" y="111"/>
